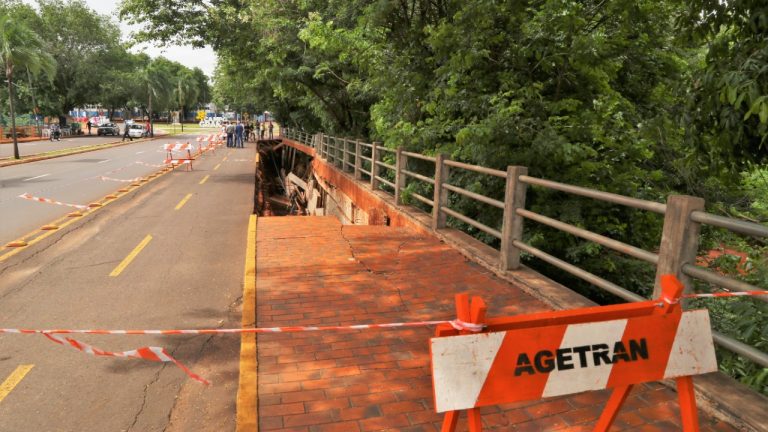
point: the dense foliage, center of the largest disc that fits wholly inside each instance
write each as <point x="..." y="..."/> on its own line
<point x="637" y="97"/>
<point x="93" y="66"/>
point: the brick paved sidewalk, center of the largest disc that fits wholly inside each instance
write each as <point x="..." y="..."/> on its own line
<point x="314" y="271"/>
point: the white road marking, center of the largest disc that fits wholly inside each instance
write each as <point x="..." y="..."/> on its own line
<point x="40" y="176"/>
<point x="139" y="152"/>
<point x="105" y="160"/>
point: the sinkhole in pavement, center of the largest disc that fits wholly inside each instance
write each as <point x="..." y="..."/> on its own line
<point x="284" y="182"/>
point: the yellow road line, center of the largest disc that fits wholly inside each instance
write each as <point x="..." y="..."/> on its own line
<point x="225" y="159"/>
<point x="205" y="179"/>
<point x="257" y="158"/>
<point x="119" y="269"/>
<point x="216" y="167"/>
<point x="14" y="379"/>
<point x="183" y="201"/>
<point x="247" y="395"/>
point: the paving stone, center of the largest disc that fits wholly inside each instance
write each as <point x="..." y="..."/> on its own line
<point x="314" y="271"/>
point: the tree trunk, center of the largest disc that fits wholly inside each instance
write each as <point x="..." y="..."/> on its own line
<point x="181" y="118"/>
<point x="13" y="117"/>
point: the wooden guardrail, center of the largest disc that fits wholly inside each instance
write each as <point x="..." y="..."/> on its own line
<point x="683" y="217"/>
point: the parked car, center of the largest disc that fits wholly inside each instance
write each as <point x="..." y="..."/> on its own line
<point x="137" y="130"/>
<point x="108" y="129"/>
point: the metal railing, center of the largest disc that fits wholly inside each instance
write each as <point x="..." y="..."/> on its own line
<point x="683" y="218"/>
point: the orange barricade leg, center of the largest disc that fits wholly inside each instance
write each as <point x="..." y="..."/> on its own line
<point x="469" y="313"/>
<point x="450" y="421"/>
<point x="612" y="408"/>
<point x="475" y="423"/>
<point x="687" y="400"/>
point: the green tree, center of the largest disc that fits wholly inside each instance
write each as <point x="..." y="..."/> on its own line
<point x="155" y="82"/>
<point x="22" y="48"/>
<point x="607" y="95"/>
<point x="728" y="116"/>
<point x="85" y="46"/>
<point x="203" y="93"/>
<point x="185" y="91"/>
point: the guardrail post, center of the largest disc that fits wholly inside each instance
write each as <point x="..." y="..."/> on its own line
<point x="320" y="145"/>
<point x="374" y="166"/>
<point x="679" y="239"/>
<point x="334" y="150"/>
<point x="400" y="164"/>
<point x="345" y="164"/>
<point x="512" y="225"/>
<point x="358" y="161"/>
<point x="441" y="194"/>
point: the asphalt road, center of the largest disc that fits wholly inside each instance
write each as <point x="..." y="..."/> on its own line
<point x="74" y="179"/>
<point x="189" y="275"/>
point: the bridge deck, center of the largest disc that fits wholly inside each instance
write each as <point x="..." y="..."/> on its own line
<point x="314" y="271"/>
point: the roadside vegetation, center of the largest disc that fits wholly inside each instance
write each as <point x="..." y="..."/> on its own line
<point x="638" y="97"/>
<point x="77" y="59"/>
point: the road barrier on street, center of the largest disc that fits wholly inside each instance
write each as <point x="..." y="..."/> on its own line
<point x="534" y="356"/>
<point x="30" y="197"/>
<point x="212" y="141"/>
<point x="176" y="161"/>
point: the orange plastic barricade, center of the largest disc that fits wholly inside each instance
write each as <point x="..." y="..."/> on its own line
<point x="529" y="357"/>
<point x="174" y="162"/>
<point x="206" y="143"/>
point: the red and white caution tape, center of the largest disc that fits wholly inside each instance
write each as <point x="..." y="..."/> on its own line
<point x="50" y="201"/>
<point x="727" y="294"/>
<point x="149" y="164"/>
<point x="161" y="355"/>
<point x="461" y="326"/>
<point x="117" y="170"/>
<point x="157" y="354"/>
<point x="120" y="180"/>
<point x="718" y="295"/>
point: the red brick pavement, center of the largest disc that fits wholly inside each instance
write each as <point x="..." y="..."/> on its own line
<point x="313" y="271"/>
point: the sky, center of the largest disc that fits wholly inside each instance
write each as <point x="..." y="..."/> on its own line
<point x="203" y="58"/>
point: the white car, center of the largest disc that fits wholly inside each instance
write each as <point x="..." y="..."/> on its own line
<point x="137" y="130"/>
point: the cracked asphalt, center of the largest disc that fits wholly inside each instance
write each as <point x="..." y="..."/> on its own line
<point x="188" y="276"/>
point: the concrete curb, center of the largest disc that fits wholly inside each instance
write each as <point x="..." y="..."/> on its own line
<point x="247" y="389"/>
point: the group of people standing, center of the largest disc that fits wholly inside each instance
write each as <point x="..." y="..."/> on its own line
<point x="240" y="132"/>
